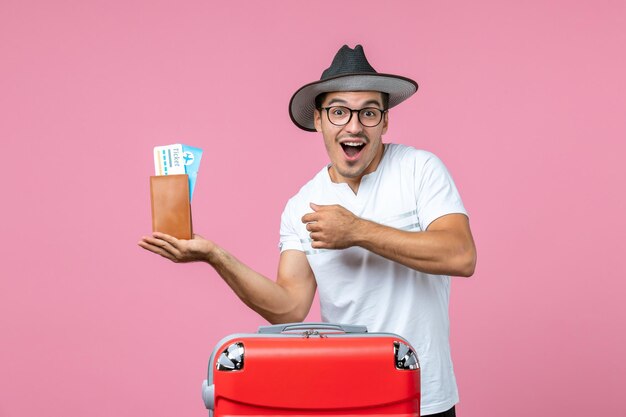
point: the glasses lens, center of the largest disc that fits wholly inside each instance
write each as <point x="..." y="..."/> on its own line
<point x="339" y="115"/>
<point x="370" y="116"/>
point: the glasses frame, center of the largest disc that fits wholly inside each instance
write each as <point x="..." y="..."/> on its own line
<point x="358" y="114"/>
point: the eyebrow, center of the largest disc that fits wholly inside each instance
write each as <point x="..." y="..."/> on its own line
<point x="340" y="101"/>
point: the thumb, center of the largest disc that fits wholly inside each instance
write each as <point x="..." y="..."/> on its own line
<point x="315" y="207"/>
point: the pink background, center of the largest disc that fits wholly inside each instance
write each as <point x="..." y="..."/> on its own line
<point x="524" y="101"/>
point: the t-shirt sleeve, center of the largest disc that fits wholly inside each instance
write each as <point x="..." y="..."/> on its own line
<point x="436" y="192"/>
<point x="289" y="238"/>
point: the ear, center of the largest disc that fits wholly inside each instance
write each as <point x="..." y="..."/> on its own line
<point x="385" y="122"/>
<point x="317" y="119"/>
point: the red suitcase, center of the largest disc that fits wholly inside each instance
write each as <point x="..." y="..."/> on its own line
<point x="309" y="369"/>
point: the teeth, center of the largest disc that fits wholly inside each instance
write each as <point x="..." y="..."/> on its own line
<point x="352" y="144"/>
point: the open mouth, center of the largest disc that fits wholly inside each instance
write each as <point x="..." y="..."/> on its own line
<point x="352" y="149"/>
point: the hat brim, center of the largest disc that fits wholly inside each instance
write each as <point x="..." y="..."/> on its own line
<point x="302" y="103"/>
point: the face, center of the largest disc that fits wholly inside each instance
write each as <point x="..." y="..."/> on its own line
<point x="354" y="150"/>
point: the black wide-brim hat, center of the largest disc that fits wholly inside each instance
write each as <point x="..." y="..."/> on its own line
<point x="349" y="71"/>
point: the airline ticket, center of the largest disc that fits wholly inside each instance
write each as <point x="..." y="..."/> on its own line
<point x="178" y="159"/>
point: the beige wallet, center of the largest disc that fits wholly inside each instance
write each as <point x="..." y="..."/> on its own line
<point x="171" y="210"/>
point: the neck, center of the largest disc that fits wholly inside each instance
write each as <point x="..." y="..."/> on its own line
<point x="355" y="182"/>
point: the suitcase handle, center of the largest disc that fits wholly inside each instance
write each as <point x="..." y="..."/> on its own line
<point x="281" y="328"/>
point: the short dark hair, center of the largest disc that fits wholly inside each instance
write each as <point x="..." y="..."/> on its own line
<point x="319" y="99"/>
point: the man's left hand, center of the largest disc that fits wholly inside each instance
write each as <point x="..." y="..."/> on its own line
<point x="331" y="227"/>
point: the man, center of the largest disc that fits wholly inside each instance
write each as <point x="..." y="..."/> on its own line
<point x="378" y="231"/>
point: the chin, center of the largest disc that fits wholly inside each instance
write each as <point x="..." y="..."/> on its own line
<point x="351" y="173"/>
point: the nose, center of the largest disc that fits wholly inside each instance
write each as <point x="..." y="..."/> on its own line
<point x="354" y="125"/>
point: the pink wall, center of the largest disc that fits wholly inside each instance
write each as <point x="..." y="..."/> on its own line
<point x="524" y="101"/>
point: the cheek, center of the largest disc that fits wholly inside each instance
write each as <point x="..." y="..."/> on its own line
<point x="375" y="147"/>
<point x="328" y="143"/>
<point x="329" y="135"/>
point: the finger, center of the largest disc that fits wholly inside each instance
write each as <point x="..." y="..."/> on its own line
<point x="169" y="239"/>
<point x="155" y="241"/>
<point x="309" y="217"/>
<point x="167" y="255"/>
<point x="317" y="244"/>
<point x="313" y="227"/>
<point x="148" y="240"/>
<point x="158" y="250"/>
<point x="316" y="236"/>
<point x="163" y="245"/>
<point x="314" y="206"/>
<point x="145" y="245"/>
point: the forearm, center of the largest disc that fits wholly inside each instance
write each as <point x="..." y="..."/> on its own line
<point x="286" y="300"/>
<point x="440" y="252"/>
<point x="272" y="301"/>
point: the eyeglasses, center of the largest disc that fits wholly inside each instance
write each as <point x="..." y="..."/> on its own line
<point x="341" y="116"/>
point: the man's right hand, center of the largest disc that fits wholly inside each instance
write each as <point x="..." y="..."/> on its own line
<point x="178" y="250"/>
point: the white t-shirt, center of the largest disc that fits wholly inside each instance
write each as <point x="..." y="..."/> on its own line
<point x="409" y="189"/>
